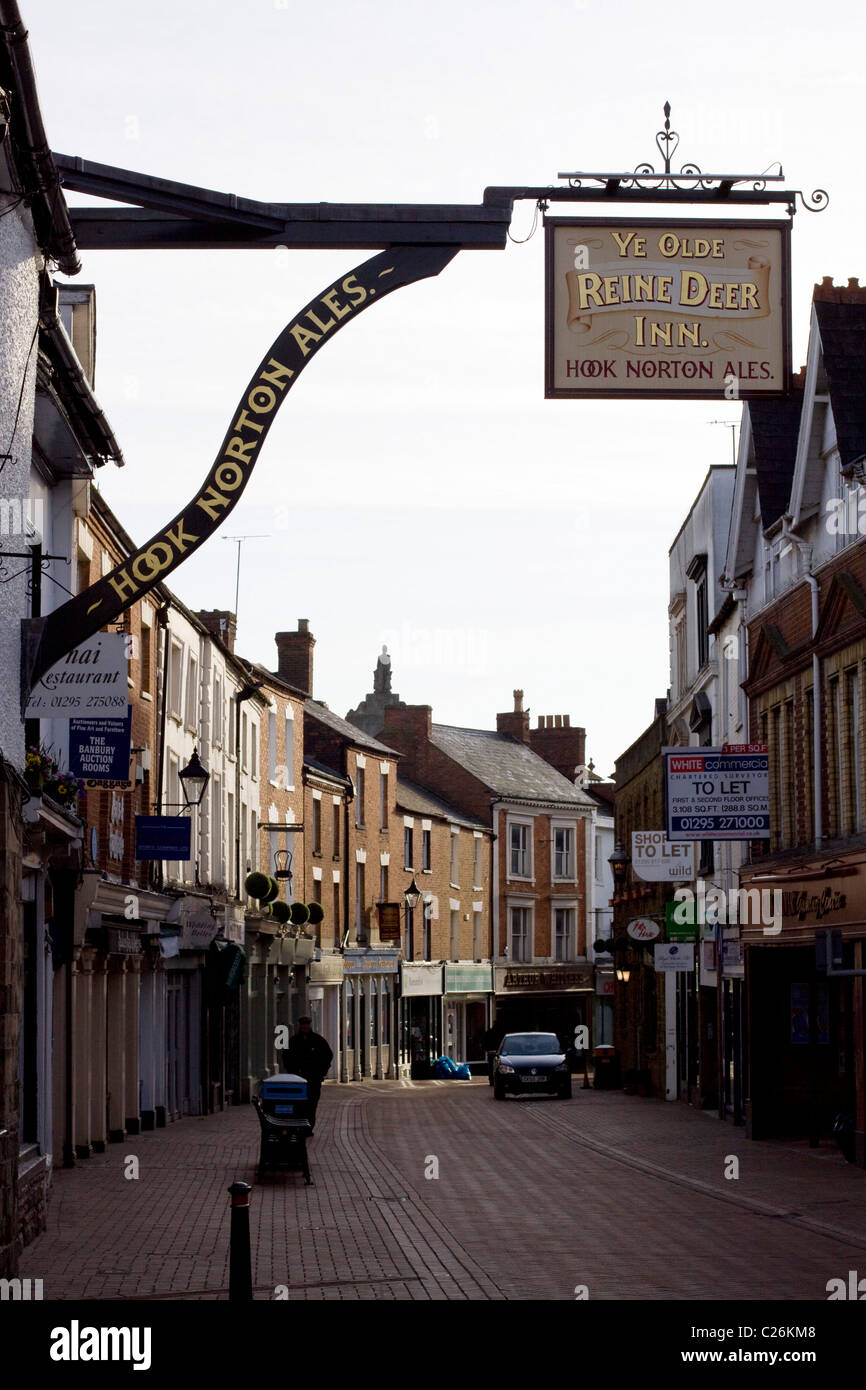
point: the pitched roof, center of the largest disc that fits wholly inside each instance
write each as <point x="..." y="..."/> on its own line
<point x="350" y="732"/>
<point x="418" y="801"/>
<point x="508" y="768"/>
<point x="842" y="324"/>
<point x="775" y="428"/>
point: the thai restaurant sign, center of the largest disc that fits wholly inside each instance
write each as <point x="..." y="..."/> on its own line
<point x="667" y="309"/>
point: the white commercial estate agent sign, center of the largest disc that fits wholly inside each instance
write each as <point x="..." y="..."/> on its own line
<point x="88" y="683"/>
<point x="656" y="860"/>
<point x="717" y="793"/>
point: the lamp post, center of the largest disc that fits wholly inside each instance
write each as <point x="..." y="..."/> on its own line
<point x="193" y="780"/>
<point x="411" y="897"/>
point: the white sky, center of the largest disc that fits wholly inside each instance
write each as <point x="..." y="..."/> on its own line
<point x="416" y="488"/>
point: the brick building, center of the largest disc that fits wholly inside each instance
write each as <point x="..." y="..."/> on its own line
<point x="798" y="553"/>
<point x="641" y="1002"/>
<point x="540" y="822"/>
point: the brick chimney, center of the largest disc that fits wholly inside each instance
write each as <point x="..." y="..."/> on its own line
<point x="407" y="725"/>
<point x="515" y="723"/>
<point x="295" y="656"/>
<point x="221" y="623"/>
<point x="558" y="743"/>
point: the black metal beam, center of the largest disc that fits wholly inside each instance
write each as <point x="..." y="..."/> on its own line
<point x="120" y="228"/>
<point x="176" y="216"/>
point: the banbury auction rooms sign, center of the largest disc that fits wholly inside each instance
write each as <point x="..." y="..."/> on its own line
<point x="667" y="308"/>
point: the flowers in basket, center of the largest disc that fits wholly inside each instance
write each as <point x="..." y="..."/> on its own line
<point x="43" y="774"/>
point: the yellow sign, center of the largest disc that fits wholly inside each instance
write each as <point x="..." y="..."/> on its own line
<point x="667" y="309"/>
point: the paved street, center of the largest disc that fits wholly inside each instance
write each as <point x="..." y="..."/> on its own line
<point x="625" y="1195"/>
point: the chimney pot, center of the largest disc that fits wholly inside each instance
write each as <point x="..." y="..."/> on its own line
<point x="558" y="721"/>
<point x="518" y="702"/>
<point x="303" y="624"/>
<point x="566" y="720"/>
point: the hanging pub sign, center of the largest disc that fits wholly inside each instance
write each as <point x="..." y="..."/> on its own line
<point x="668" y="309"/>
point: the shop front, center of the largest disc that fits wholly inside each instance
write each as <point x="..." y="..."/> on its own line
<point x="325" y="982"/>
<point x="543" y="999"/>
<point x="806" y="1059"/>
<point x="467" y="1008"/>
<point x="370" y="981"/>
<point x="421" y="991"/>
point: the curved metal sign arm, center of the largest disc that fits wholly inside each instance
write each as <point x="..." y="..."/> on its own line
<point x="46" y="640"/>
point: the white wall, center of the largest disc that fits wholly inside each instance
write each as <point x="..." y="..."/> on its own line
<point x="19" y="296"/>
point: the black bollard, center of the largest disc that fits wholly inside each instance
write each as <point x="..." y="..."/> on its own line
<point x="240" y="1269"/>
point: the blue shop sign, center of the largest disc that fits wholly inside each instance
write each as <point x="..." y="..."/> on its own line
<point x="163" y="837"/>
<point x="99" y="748"/>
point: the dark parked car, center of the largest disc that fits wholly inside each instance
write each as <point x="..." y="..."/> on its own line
<point x="528" y="1062"/>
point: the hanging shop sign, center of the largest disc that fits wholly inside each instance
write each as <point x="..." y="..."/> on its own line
<point x="672" y="309"/>
<point x="163" y="837"/>
<point x="717" y="793"/>
<point x="89" y="683"/>
<point x="643" y="929"/>
<point x="656" y="860"/>
<point x="99" y="749"/>
<point x="389" y="921"/>
<point x="681" y="922"/>
<point x="677" y="956"/>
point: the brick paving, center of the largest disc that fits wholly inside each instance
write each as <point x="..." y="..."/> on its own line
<point x="534" y="1197"/>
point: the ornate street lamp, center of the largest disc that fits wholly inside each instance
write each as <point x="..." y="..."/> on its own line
<point x="619" y="862"/>
<point x="193" y="780"/>
<point x="412" y="895"/>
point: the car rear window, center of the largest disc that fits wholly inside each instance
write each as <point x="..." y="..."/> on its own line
<point x="530" y="1044"/>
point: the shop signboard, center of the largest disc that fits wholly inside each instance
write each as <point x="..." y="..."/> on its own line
<point x="89" y="682"/>
<point x="420" y="980"/>
<point x="672" y="309"/>
<point x="390" y="921"/>
<point x="676" y="956"/>
<point x="370" y="962"/>
<point x="656" y="859"/>
<point x="684" y="929"/>
<point x="717" y="793"/>
<point x="643" y="929"/>
<point x="99" y="749"/>
<point x="163" y="837"/>
<point x="468" y="979"/>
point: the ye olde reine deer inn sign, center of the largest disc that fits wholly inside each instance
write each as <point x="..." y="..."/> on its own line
<point x="667" y="308"/>
<point x="675" y="308"/>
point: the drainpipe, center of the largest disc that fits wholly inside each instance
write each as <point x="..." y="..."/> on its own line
<point x="806" y="552"/>
<point x="162" y="615"/>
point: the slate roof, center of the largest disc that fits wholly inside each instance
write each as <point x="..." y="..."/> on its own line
<point x="350" y="732"/>
<point x="418" y="801"/>
<point x="775" y="428"/>
<point x="324" y="771"/>
<point x="508" y="768"/>
<point x="842" y="324"/>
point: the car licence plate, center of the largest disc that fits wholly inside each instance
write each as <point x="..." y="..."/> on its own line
<point x="533" y="1079"/>
<point x="284" y="1110"/>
